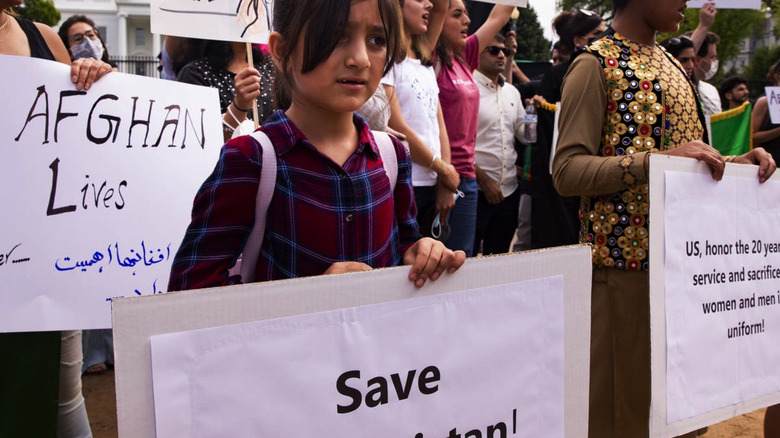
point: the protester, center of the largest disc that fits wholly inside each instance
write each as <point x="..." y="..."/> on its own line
<point x="682" y="48"/>
<point x="603" y="156"/>
<point x="80" y="35"/>
<point x="735" y="91"/>
<point x="559" y="56"/>
<point x="29" y="373"/>
<point x="457" y="55"/>
<point x="416" y="113"/>
<point x="224" y="66"/>
<point x="705" y="67"/>
<point x="765" y="133"/>
<point x="500" y="120"/>
<point x="554" y="218"/>
<point x="325" y="180"/>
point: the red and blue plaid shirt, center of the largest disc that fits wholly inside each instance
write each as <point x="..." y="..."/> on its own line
<point x="321" y="213"/>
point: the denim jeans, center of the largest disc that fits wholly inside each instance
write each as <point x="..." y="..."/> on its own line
<point x="463" y="218"/>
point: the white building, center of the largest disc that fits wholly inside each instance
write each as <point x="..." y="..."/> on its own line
<point x="123" y="24"/>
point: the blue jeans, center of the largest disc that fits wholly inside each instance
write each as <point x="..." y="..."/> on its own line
<point x="463" y="218"/>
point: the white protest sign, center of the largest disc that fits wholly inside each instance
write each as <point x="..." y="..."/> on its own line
<point x="98" y="189"/>
<point x="473" y="350"/>
<point x="715" y="306"/>
<point x="224" y="20"/>
<point x="486" y="355"/>
<point x="519" y="3"/>
<point x="773" y="102"/>
<point x="728" y="4"/>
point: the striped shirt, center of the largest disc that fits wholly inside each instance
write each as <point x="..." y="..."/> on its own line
<point x="321" y="213"/>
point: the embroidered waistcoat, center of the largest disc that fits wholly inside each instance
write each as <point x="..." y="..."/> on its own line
<point x="651" y="106"/>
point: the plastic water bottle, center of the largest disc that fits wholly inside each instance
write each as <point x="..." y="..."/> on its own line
<point x="529" y="133"/>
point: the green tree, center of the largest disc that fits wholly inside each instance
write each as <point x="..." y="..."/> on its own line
<point x="531" y="43"/>
<point x="42" y="11"/>
<point x="731" y="25"/>
<point x="755" y="73"/>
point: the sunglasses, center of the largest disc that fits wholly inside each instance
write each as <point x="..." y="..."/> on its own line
<point x="587" y="13"/>
<point x="493" y="50"/>
<point x="77" y="38"/>
<point x="677" y="40"/>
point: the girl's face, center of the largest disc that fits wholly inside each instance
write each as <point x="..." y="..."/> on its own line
<point x="416" y="13"/>
<point x="664" y="15"/>
<point x="351" y="74"/>
<point x="456" y="26"/>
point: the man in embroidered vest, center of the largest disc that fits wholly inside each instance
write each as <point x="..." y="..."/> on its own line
<point x="623" y="98"/>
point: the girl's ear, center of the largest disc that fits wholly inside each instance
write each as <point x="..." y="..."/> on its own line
<point x="276" y="47"/>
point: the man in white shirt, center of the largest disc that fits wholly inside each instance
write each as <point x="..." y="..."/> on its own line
<point x="500" y="120"/>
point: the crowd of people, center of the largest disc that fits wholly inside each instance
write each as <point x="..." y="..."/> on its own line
<point x="446" y="185"/>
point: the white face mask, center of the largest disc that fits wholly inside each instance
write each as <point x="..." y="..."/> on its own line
<point x="88" y="48"/>
<point x="712" y="71"/>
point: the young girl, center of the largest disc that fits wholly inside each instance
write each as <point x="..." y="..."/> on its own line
<point x="333" y="209"/>
<point x="415" y="109"/>
<point x="456" y="57"/>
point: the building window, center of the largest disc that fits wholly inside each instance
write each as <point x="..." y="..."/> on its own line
<point x="140" y="37"/>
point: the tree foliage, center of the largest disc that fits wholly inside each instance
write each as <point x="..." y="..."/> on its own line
<point x="755" y="73"/>
<point x="531" y="43"/>
<point x="732" y="25"/>
<point x="42" y="11"/>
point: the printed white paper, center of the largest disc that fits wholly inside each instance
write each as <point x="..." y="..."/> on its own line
<point x="728" y="4"/>
<point x="773" y="102"/>
<point x="484" y="362"/>
<point x="224" y="20"/>
<point x="97" y="189"/>
<point x="722" y="283"/>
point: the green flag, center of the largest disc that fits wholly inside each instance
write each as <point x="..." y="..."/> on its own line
<point x="731" y="132"/>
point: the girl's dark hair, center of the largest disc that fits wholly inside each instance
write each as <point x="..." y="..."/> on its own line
<point x="574" y="23"/>
<point x="73" y="19"/>
<point x="292" y="19"/>
<point x="418" y="43"/>
<point x="773" y="70"/>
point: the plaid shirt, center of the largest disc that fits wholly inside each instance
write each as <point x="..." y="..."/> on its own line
<point x="321" y="213"/>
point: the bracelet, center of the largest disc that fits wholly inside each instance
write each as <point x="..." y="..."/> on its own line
<point x="235" y="119"/>
<point x="238" y="107"/>
<point x="435" y="156"/>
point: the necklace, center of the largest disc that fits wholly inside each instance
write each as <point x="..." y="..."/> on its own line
<point x="7" y="19"/>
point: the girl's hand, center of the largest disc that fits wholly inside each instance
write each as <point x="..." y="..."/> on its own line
<point x="247" y="83"/>
<point x="449" y="177"/>
<point x="766" y="164"/>
<point x="429" y="258"/>
<point x="85" y="71"/>
<point x="344" y="267"/>
<point x="445" y="200"/>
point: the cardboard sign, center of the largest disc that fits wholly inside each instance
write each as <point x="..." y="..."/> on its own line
<point x="728" y="4"/>
<point x="479" y="347"/>
<point x="98" y="189"/>
<point x="224" y="20"/>
<point x="715" y="305"/>
<point x="773" y="102"/>
<point x="486" y="354"/>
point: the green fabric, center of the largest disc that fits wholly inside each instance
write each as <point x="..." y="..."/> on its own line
<point x="731" y="135"/>
<point x="29" y="384"/>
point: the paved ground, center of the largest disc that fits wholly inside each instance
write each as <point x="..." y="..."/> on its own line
<point x="101" y="406"/>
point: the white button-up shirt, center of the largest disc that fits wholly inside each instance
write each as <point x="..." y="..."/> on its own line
<point x="500" y="119"/>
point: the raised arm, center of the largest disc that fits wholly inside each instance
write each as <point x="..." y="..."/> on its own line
<point x="706" y="20"/>
<point x="495" y="21"/>
<point x="436" y="21"/>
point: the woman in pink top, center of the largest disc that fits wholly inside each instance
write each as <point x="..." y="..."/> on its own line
<point x="457" y="55"/>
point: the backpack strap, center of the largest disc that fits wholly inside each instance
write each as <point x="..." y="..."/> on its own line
<point x="388" y="155"/>
<point x="247" y="263"/>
